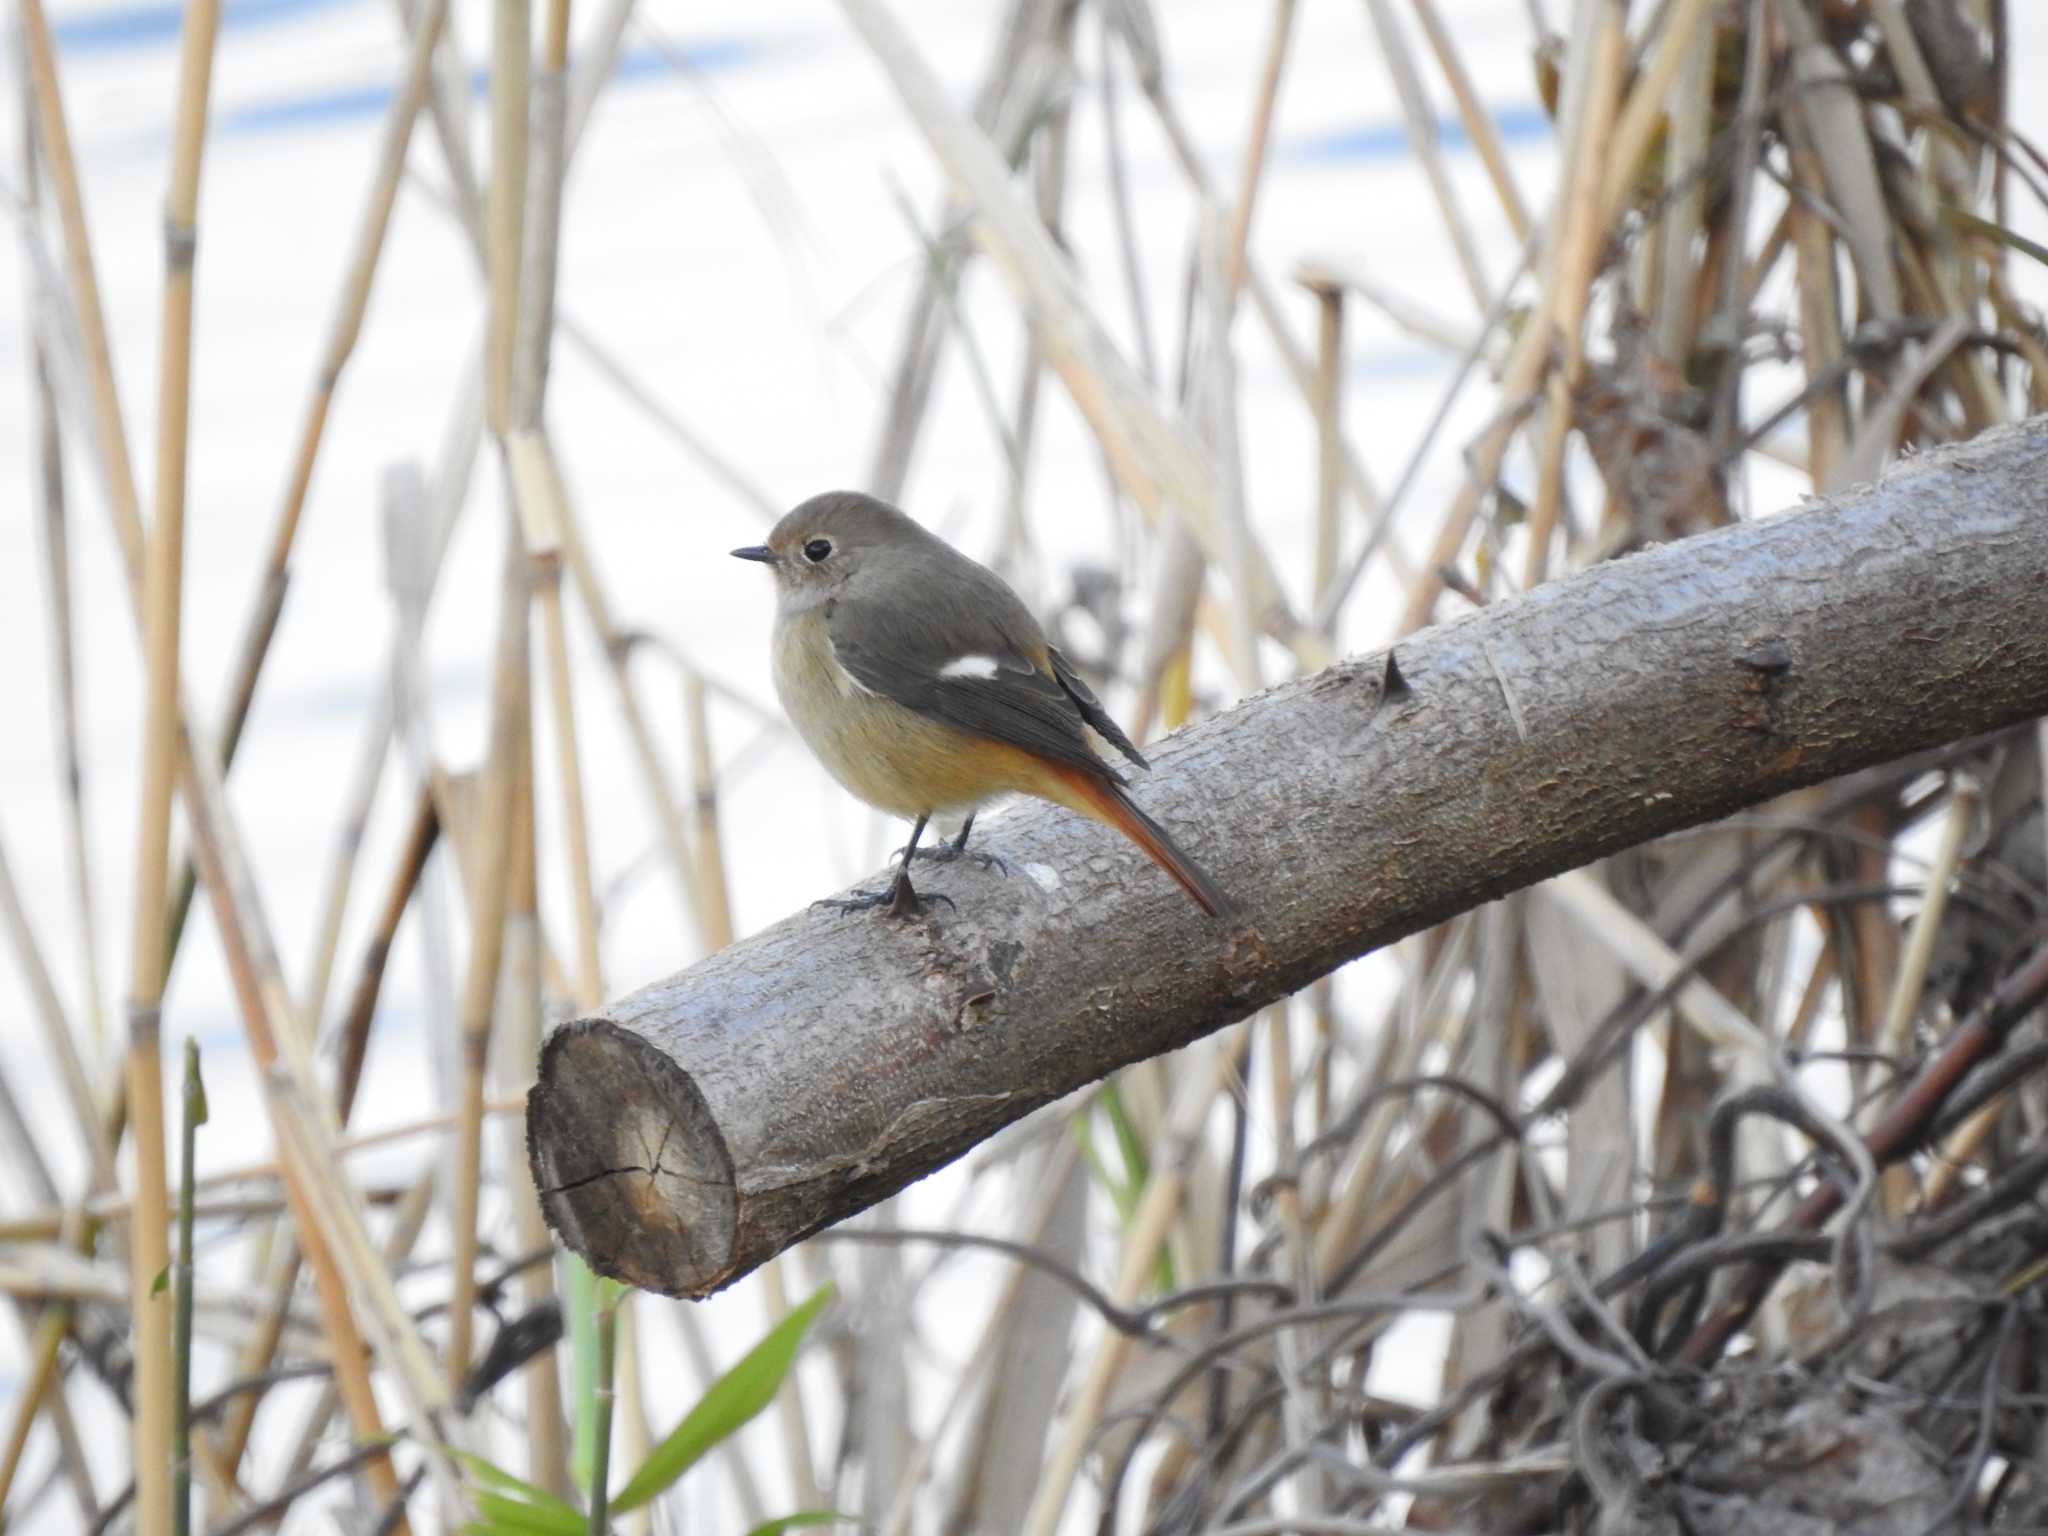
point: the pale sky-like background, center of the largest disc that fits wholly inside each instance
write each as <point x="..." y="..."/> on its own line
<point x="735" y="235"/>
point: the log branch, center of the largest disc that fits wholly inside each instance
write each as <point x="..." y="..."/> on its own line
<point x="703" y="1124"/>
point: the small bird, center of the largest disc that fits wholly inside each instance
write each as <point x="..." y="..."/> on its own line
<point x="922" y="682"/>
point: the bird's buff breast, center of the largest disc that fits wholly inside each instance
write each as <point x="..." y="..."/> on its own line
<point x="891" y="757"/>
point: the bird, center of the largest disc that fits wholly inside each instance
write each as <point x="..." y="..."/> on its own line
<point x="923" y="684"/>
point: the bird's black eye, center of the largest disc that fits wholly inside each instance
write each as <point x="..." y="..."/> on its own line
<point x="817" y="550"/>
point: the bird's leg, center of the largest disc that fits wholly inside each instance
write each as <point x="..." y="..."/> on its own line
<point x="897" y="899"/>
<point x="946" y="853"/>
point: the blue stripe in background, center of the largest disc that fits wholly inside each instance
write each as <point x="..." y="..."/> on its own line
<point x="122" y="27"/>
<point x="1525" y="124"/>
<point x="320" y="109"/>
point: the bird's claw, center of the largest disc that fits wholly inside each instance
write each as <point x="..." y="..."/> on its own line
<point x="898" y="899"/>
<point x="947" y="853"/>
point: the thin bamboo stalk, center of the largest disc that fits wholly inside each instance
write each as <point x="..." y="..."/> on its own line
<point x="589" y="973"/>
<point x="1966" y="798"/>
<point x="505" y="201"/>
<point x="354" y="1040"/>
<point x="510" y="719"/>
<point x="54" y="135"/>
<point x="1424" y="141"/>
<point x="1479" y="125"/>
<point x="518" y="1046"/>
<point x="267" y="1010"/>
<point x="540" y="457"/>
<point x="84" y="1102"/>
<point x="1133" y="265"/>
<point x="542" y="215"/>
<point x="344" y="329"/>
<point x="1626" y="139"/>
<point x="149" y="1249"/>
<point x="1266" y="302"/>
<point x="1329" y="407"/>
<point x="398" y="1244"/>
<point x="57" y="572"/>
<point x="1178" y="1143"/>
<point x="717" y="906"/>
<point x="1155" y="457"/>
<point x="1280" y="30"/>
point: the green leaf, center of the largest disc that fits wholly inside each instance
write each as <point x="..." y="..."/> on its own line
<point x="507" y="1516"/>
<point x="539" y="1509"/>
<point x="733" y="1399"/>
<point x="805" y="1517"/>
<point x="162" y="1282"/>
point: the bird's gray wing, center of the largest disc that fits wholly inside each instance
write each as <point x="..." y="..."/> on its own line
<point x="966" y="659"/>
<point x="1091" y="708"/>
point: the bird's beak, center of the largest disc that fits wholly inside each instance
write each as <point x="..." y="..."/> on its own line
<point x="755" y="552"/>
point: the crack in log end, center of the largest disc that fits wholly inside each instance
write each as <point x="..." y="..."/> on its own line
<point x="632" y="1171"/>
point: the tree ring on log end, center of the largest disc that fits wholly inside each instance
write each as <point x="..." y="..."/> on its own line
<point x="631" y="1169"/>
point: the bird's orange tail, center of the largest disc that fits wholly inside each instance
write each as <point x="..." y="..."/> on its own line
<point x="1105" y="800"/>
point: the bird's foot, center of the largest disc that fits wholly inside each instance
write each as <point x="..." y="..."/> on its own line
<point x="952" y="853"/>
<point x="897" y="899"/>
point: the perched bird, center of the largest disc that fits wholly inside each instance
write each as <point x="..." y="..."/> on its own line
<point x="924" y="685"/>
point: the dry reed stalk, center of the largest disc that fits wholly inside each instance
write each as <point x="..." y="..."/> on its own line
<point x="717" y="909"/>
<point x="1004" y="108"/>
<point x="1479" y="125"/>
<point x="589" y="972"/>
<point x="1568" y="277"/>
<point x="343" y="333"/>
<point x="1219" y="406"/>
<point x="1338" y="594"/>
<point x="1131" y="263"/>
<point x="495" y="828"/>
<point x="410" y="1217"/>
<point x="546" y="474"/>
<point x="149" y="1245"/>
<point x="517" y="1037"/>
<point x="355" y="819"/>
<point x="1519" y="378"/>
<point x="1252" y="168"/>
<point x="542" y="232"/>
<point x="354" y="1041"/>
<point x="110" y="437"/>
<point x="315" y="1221"/>
<point x="1179" y="1142"/>
<point x="1348" y="1218"/>
<point x="1064" y="1162"/>
<point x="1266" y="303"/>
<point x="88" y="1114"/>
<point x="1307" y="1398"/>
<point x="1684" y="297"/>
<point x="732" y="477"/>
<point x="1155" y="457"/>
<point x="344" y="329"/>
<point x="1966" y="799"/>
<point x="1427" y="146"/>
<point x="1329" y="411"/>
<point x="57" y="573"/>
<point x="1626" y="139"/>
<point x="505" y="202"/>
<point x="1017" y="556"/>
<point x="37" y="1378"/>
<point x="410" y="577"/>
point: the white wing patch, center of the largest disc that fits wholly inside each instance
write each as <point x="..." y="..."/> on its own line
<point x="984" y="667"/>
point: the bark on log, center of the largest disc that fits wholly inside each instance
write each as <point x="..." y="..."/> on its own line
<point x="701" y="1125"/>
